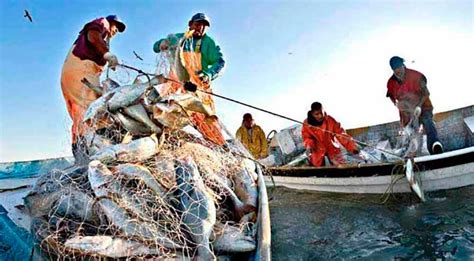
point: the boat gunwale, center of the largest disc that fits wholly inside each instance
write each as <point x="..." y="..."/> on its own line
<point x="430" y="162"/>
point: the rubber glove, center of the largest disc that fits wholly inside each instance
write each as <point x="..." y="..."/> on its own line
<point x="111" y="59"/>
<point x="189" y="86"/>
<point x="417" y="111"/>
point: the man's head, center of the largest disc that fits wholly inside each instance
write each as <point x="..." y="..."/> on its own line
<point x="398" y="67"/>
<point x="247" y="121"/>
<point x="198" y="23"/>
<point x="115" y="24"/>
<point x="317" y="112"/>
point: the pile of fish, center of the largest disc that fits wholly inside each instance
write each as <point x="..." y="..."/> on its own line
<point x="146" y="187"/>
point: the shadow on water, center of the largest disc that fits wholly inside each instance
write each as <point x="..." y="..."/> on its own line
<point x="320" y="226"/>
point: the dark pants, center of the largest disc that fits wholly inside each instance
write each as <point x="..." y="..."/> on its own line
<point x="426" y="118"/>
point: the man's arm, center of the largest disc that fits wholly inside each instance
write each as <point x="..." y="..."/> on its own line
<point x="423" y="91"/>
<point x="96" y="39"/>
<point x="344" y="138"/>
<point x="216" y="60"/>
<point x="263" y="142"/>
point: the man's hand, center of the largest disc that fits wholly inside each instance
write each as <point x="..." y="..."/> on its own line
<point x="309" y="151"/>
<point x="111" y="59"/>
<point x="203" y="77"/>
<point x="189" y="86"/>
<point x="417" y="111"/>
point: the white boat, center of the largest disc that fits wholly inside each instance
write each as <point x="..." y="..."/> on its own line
<point x="452" y="169"/>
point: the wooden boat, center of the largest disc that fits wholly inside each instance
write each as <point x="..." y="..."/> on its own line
<point x="18" y="178"/>
<point x="452" y="169"/>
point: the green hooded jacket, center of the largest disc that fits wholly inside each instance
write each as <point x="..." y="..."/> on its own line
<point x="212" y="59"/>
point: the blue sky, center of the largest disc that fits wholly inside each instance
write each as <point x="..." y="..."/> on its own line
<point x="281" y="55"/>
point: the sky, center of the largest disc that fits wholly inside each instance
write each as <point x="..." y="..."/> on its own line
<point x="280" y="56"/>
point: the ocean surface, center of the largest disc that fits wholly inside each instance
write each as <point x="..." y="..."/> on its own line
<point x="329" y="226"/>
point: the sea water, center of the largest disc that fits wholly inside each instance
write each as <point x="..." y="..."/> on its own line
<point x="329" y="226"/>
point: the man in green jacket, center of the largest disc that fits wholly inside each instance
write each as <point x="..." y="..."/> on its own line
<point x="199" y="61"/>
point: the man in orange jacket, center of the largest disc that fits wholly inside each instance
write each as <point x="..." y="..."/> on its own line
<point x="322" y="135"/>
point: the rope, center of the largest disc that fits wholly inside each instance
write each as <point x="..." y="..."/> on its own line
<point x="270" y="112"/>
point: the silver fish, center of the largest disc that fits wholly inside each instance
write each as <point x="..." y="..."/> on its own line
<point x="135" y="151"/>
<point x="139" y="113"/>
<point x="97" y="108"/>
<point x="76" y="205"/>
<point x="132" y="126"/>
<point x="126" y="95"/>
<point x="102" y="180"/>
<point x="197" y="206"/>
<point x="230" y="239"/>
<point x="245" y="187"/>
<point x="109" y="246"/>
<point x="132" y="227"/>
<point x="133" y="171"/>
<point x="96" y="142"/>
<point x="413" y="180"/>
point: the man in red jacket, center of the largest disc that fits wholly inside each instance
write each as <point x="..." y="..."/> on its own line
<point x="323" y="135"/>
<point x="407" y="90"/>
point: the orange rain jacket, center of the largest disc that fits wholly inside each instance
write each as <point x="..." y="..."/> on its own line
<point x="321" y="141"/>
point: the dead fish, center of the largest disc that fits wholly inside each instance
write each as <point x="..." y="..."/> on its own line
<point x="197" y="206"/>
<point x="97" y="108"/>
<point x="413" y="180"/>
<point x="230" y="239"/>
<point x="109" y="84"/>
<point x="190" y="102"/>
<point x="135" y="151"/>
<point x="76" y="205"/>
<point x="132" y="126"/>
<point x="126" y="95"/>
<point x="48" y="188"/>
<point x="109" y="246"/>
<point x="133" y="171"/>
<point x="99" y="90"/>
<point x="245" y="187"/>
<point x="139" y="113"/>
<point x="96" y="142"/>
<point x="132" y="227"/>
<point x="240" y="208"/>
<point x="102" y="180"/>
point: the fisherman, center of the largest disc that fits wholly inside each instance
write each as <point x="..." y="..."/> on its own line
<point x="407" y="89"/>
<point x="86" y="59"/>
<point x="252" y="137"/>
<point x="320" y="132"/>
<point x="202" y="62"/>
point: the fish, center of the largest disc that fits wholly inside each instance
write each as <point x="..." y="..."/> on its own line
<point x="117" y="98"/>
<point x="139" y="113"/>
<point x="135" y="151"/>
<point x="99" y="90"/>
<point x="245" y="187"/>
<point x="134" y="171"/>
<point x="109" y="246"/>
<point x="102" y="180"/>
<point x="109" y="84"/>
<point x="127" y="95"/>
<point x="240" y="208"/>
<point x="96" y="142"/>
<point x="97" y="108"/>
<point x="413" y="180"/>
<point x="230" y="239"/>
<point x="48" y="189"/>
<point x="197" y="207"/>
<point x="190" y="102"/>
<point x="132" y="126"/>
<point x="76" y="205"/>
<point x="135" y="228"/>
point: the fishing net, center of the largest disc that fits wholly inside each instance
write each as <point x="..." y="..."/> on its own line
<point x="148" y="184"/>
